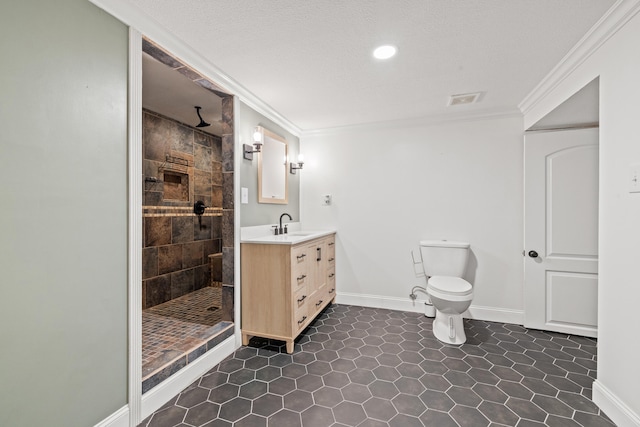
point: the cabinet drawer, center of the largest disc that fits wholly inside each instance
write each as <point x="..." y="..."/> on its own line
<point x="300" y="301"/>
<point x="331" y="274"/>
<point x="301" y="257"/>
<point x="331" y="282"/>
<point x="318" y="301"/>
<point x="301" y="264"/>
<point x="331" y="277"/>
<point x="300" y="318"/>
<point x="331" y="290"/>
<point x="331" y="250"/>
<point x="300" y="276"/>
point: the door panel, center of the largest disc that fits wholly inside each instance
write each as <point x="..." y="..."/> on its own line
<point x="572" y="299"/>
<point x="571" y="230"/>
<point x="561" y="225"/>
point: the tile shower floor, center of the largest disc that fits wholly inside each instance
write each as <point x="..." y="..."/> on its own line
<point x="366" y="367"/>
<point x="178" y="326"/>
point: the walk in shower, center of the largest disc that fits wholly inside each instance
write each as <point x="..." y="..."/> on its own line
<point x="187" y="257"/>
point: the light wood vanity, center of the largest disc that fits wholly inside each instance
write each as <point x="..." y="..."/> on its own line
<point x="285" y="285"/>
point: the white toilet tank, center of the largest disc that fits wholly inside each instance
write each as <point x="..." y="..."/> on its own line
<point x="444" y="258"/>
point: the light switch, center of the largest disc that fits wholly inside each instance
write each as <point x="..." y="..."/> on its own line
<point x="244" y="195"/>
<point x="634" y="178"/>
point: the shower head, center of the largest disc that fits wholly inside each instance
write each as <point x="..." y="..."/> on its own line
<point x="202" y="123"/>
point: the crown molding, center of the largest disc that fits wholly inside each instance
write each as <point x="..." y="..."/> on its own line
<point x="159" y="34"/>
<point x="429" y="120"/>
<point x="615" y="18"/>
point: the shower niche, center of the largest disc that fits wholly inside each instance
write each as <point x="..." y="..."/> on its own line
<point x="176" y="186"/>
<point x="187" y="258"/>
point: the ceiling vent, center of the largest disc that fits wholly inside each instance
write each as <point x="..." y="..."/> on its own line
<point x="464" y="98"/>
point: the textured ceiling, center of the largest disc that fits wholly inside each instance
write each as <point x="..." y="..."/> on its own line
<point x="311" y="61"/>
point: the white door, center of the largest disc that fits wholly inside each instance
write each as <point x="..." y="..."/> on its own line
<point x="561" y="231"/>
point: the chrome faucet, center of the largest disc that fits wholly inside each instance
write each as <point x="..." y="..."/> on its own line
<point x="280" y="230"/>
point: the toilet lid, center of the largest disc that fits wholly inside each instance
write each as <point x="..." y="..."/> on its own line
<point x="449" y="285"/>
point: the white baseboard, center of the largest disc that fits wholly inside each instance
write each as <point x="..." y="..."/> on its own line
<point x="376" y="301"/>
<point x="490" y="314"/>
<point x="120" y="418"/>
<point x="167" y="389"/>
<point x="615" y="409"/>
<point x="495" y="314"/>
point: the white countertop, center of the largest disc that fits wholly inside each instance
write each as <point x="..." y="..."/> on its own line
<point x="292" y="238"/>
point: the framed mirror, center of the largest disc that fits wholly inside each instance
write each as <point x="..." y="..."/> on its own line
<point x="273" y="185"/>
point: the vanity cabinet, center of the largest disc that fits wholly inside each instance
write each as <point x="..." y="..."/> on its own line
<point x="284" y="287"/>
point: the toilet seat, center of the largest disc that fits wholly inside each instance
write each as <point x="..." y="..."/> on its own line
<point x="449" y="288"/>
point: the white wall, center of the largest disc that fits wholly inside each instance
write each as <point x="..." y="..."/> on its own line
<point x="63" y="214"/>
<point x="617" y="63"/>
<point x="394" y="185"/>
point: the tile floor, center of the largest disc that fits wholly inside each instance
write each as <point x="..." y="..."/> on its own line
<point x="178" y="326"/>
<point x="357" y="366"/>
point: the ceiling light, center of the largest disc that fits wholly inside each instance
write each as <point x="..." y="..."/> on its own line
<point x="385" y="52"/>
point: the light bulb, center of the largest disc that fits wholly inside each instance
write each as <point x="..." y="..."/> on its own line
<point x="384" y="52"/>
<point x="257" y="136"/>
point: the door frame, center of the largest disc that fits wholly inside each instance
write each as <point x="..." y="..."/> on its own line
<point x="139" y="23"/>
<point x="141" y="406"/>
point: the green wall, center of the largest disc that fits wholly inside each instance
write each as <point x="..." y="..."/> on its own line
<point x="63" y="213"/>
<point x="255" y="213"/>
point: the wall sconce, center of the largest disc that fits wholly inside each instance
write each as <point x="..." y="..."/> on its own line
<point x="293" y="167"/>
<point x="257" y="144"/>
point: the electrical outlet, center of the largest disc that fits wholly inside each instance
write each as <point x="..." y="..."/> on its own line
<point x="326" y="200"/>
<point x="244" y="195"/>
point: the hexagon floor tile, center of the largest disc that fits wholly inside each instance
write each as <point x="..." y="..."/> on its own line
<point x="357" y="366"/>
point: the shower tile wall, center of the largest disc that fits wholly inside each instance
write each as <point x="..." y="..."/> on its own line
<point x="228" y="224"/>
<point x="180" y="166"/>
<point x="222" y="191"/>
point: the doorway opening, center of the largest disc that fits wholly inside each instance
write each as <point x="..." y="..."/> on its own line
<point x="561" y="179"/>
<point x="187" y="215"/>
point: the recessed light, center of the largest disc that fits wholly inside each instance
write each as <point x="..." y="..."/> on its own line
<point x="385" y="51"/>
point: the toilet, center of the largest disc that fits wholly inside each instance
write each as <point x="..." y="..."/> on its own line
<point x="444" y="263"/>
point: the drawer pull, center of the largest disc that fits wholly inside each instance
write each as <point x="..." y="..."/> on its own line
<point x="302" y="298"/>
<point x="301" y="256"/>
<point x="331" y="275"/>
<point x="301" y="277"/>
<point x="302" y="320"/>
<point x="332" y="290"/>
<point x="331" y="259"/>
<point x="331" y="243"/>
<point x="318" y="303"/>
